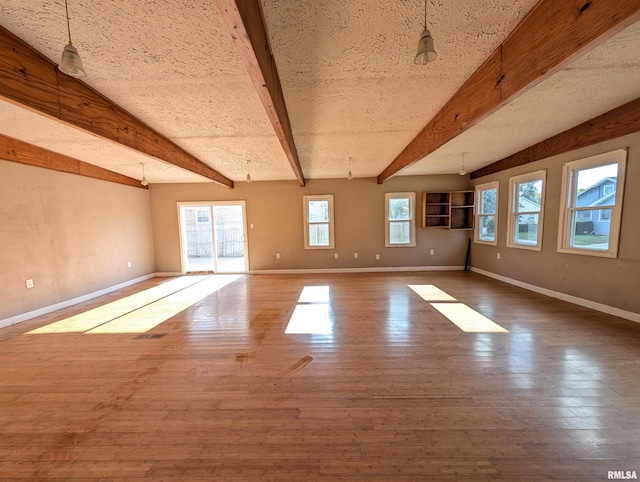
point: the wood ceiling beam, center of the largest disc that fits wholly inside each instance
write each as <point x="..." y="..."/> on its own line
<point x="245" y="21"/>
<point x="18" y="151"/>
<point x="618" y="122"/>
<point x="551" y="36"/>
<point x="29" y="79"/>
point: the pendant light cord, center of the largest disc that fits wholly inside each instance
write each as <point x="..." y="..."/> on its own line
<point x="425" y="14"/>
<point x="66" y="8"/>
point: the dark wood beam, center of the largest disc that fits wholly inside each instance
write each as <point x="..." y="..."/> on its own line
<point x="550" y="37"/>
<point x="615" y="123"/>
<point x="18" y="151"/>
<point x="245" y="20"/>
<point x="29" y="79"/>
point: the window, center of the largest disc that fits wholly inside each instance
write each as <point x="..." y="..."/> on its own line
<point x="591" y="204"/>
<point x="487" y="213"/>
<point x="526" y="210"/>
<point x="318" y="222"/>
<point x="202" y="216"/>
<point x="400" y="227"/>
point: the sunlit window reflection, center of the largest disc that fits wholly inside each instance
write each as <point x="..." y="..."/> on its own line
<point x="312" y="315"/>
<point x="467" y="319"/>
<point x="142" y="311"/>
<point x="431" y="293"/>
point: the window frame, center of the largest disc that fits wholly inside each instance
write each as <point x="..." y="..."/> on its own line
<point x="330" y="223"/>
<point x="412" y="219"/>
<point x="476" y="235"/>
<point x="569" y="175"/>
<point x="514" y="182"/>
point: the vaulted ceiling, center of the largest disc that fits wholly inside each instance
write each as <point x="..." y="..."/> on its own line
<point x="347" y="76"/>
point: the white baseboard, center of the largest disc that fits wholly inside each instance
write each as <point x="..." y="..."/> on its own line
<point x="165" y="274"/>
<point x="382" y="269"/>
<point x="610" y="310"/>
<point x="65" y="304"/>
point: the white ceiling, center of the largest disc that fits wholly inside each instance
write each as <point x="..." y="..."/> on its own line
<point x="347" y="74"/>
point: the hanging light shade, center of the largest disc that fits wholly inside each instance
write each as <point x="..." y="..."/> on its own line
<point x="463" y="171"/>
<point x="70" y="63"/>
<point x="143" y="181"/>
<point x="426" y="52"/>
<point x="248" y="178"/>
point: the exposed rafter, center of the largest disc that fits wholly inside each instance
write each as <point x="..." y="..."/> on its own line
<point x="245" y="21"/>
<point x="29" y="79"/>
<point x="18" y="151"/>
<point x="550" y="37"/>
<point x="615" y="123"/>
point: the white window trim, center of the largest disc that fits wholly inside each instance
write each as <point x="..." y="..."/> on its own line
<point x="513" y="198"/>
<point x="324" y="197"/>
<point x="604" y="189"/>
<point x="412" y="216"/>
<point x="618" y="156"/>
<point x="479" y="188"/>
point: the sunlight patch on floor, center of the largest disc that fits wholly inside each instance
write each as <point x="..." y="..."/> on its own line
<point x="467" y="319"/>
<point x="431" y="293"/>
<point x="102" y="314"/>
<point x="312" y="315"/>
<point x="137" y="305"/>
<point x="152" y="315"/>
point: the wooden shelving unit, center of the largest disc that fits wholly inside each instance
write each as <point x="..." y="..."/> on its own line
<point x="450" y="210"/>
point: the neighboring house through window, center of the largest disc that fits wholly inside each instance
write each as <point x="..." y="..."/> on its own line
<point x="400" y="229"/>
<point x="526" y="210"/>
<point x="592" y="193"/>
<point x="486" y="213"/>
<point x="318" y="222"/>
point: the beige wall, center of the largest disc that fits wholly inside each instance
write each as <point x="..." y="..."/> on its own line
<point x="275" y="210"/>
<point x="614" y="282"/>
<point x="72" y="235"/>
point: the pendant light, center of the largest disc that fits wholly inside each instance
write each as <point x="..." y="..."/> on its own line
<point x="70" y="63"/>
<point x="143" y="181"/>
<point x="349" y="175"/>
<point x="463" y="172"/>
<point x="248" y="178"/>
<point x="426" y="51"/>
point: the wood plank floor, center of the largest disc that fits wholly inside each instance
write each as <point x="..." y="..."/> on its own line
<point x="388" y="389"/>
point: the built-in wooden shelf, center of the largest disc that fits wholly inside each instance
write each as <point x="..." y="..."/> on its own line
<point x="450" y="210"/>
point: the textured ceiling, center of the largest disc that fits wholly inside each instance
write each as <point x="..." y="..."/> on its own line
<point x="347" y="74"/>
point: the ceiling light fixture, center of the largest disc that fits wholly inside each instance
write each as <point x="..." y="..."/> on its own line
<point x="463" y="172"/>
<point x="426" y="51"/>
<point x="143" y="181"/>
<point x="248" y="178"/>
<point x="70" y="63"/>
<point x="349" y="175"/>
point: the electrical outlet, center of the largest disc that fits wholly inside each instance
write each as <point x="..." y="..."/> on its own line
<point x="128" y="264"/>
<point x="497" y="255"/>
<point x="377" y="256"/>
<point x="277" y="255"/>
<point x="335" y="255"/>
<point x="355" y="255"/>
<point x="432" y="252"/>
<point x="251" y="226"/>
<point x="29" y="283"/>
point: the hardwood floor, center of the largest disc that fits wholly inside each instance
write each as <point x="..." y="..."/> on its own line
<point x="387" y="389"/>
